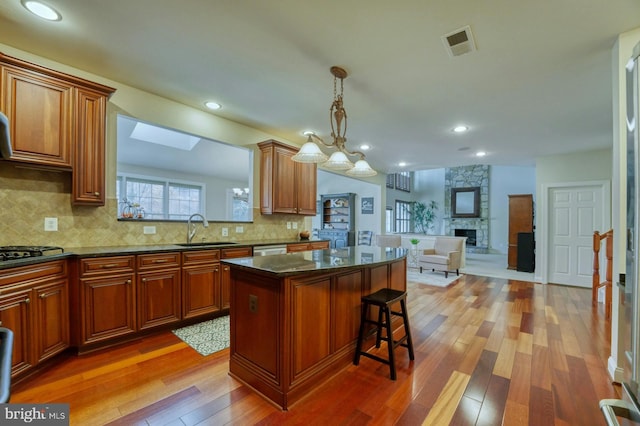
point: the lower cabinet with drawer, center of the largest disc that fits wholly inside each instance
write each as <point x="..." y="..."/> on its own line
<point x="158" y="289"/>
<point x="34" y="305"/>
<point x="200" y="283"/>
<point x="107" y="298"/>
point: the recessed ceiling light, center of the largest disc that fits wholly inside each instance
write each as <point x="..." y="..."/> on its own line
<point x="42" y="10"/>
<point x="212" y="105"/>
<point x="460" y="129"/>
<point x="365" y="147"/>
<point x="402" y="164"/>
<point x="480" y="154"/>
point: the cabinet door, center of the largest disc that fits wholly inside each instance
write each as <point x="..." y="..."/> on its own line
<point x="15" y="314"/>
<point x="109" y="307"/>
<point x="158" y="298"/>
<point x="200" y="290"/>
<point x="52" y="318"/>
<point x="284" y="182"/>
<point x="306" y="177"/>
<point x="225" y="287"/>
<point x="39" y="109"/>
<point x="225" y="277"/>
<point x="88" y="160"/>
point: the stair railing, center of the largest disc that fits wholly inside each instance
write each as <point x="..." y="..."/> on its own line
<point x="597" y="284"/>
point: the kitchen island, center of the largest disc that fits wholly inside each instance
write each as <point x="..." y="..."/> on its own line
<point x="295" y="317"/>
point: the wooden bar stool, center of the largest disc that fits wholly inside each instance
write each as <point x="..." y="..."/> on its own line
<point x="383" y="299"/>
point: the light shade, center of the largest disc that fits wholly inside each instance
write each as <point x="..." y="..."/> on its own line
<point x="310" y="153"/>
<point x="362" y="169"/>
<point x="338" y="161"/>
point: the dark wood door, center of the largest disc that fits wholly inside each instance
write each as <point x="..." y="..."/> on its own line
<point x="520" y="220"/>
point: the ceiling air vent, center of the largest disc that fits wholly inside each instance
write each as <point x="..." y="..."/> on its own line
<point x="459" y="41"/>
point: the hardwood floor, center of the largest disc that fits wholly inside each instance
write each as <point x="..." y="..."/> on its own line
<point x="488" y="351"/>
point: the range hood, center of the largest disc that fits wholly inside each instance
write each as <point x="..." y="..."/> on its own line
<point x="5" y="139"/>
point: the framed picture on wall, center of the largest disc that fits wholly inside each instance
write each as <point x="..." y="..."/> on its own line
<point x="367" y="205"/>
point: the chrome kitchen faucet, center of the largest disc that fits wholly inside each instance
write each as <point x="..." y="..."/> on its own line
<point x="191" y="229"/>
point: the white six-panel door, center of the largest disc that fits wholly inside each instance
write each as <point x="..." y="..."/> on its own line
<point x="575" y="212"/>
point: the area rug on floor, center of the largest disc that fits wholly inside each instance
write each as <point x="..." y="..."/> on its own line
<point x="206" y="337"/>
<point x="435" y="279"/>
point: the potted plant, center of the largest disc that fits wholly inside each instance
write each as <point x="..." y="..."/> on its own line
<point x="423" y="215"/>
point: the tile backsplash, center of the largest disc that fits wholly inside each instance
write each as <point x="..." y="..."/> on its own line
<point x="28" y="196"/>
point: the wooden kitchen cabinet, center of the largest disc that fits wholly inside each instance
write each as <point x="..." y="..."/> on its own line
<point x="107" y="290"/>
<point x="89" y="155"/>
<point x="16" y="314"/>
<point x="201" y="293"/>
<point x="286" y="186"/>
<point x="158" y="289"/>
<point x="309" y="245"/>
<point x="34" y="305"/>
<point x="51" y="303"/>
<point x="39" y="108"/>
<point x="225" y="278"/>
<point x="57" y="120"/>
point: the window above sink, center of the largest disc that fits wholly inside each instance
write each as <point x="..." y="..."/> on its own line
<point x="160" y="179"/>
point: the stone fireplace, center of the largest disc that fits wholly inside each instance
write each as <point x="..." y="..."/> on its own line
<point x="468" y="177"/>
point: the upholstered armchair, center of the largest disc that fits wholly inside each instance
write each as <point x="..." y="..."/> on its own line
<point x="444" y="256"/>
<point x="384" y="240"/>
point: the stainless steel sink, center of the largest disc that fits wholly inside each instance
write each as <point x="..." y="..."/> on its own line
<point x="211" y="243"/>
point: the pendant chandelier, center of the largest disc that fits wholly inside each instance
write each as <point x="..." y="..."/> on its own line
<point x="339" y="160"/>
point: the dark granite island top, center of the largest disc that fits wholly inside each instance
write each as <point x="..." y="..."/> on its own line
<point x="319" y="261"/>
<point x="295" y="317"/>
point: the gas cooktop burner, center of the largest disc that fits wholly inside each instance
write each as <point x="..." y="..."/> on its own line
<point x="20" y="252"/>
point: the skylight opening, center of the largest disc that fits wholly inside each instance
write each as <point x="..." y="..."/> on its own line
<point x="160" y="136"/>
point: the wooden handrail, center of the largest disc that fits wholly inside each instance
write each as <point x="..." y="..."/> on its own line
<point x="596" y="284"/>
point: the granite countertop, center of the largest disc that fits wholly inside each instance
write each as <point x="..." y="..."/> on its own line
<point x="84" y="252"/>
<point x="318" y="260"/>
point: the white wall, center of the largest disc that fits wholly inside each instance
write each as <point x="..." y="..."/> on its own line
<point x="429" y="185"/>
<point x="332" y="183"/>
<point x="505" y="181"/>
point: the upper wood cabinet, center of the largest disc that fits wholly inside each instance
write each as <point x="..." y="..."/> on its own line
<point x="57" y="120"/>
<point x="286" y="186"/>
<point x="89" y="158"/>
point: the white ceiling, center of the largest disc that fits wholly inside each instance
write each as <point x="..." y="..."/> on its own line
<point x="539" y="84"/>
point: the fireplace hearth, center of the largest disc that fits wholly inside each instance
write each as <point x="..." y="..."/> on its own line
<point x="469" y="233"/>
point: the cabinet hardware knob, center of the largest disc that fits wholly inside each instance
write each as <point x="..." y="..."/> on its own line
<point x="144" y="280"/>
<point x="42" y="295"/>
<point x="27" y="300"/>
<point x="128" y="281"/>
<point x="97" y="194"/>
<point x="0" y="323"/>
